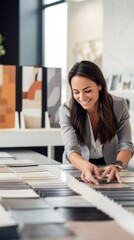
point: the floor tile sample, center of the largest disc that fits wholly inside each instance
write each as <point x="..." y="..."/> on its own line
<point x="16" y="203"/>
<point x="14" y="186"/>
<point x="4" y="169"/>
<point x="126" y="174"/>
<point x="37" y="216"/>
<point x="83" y="214"/>
<point x="17" y="162"/>
<point x="9" y="232"/>
<point x="56" y="193"/>
<point x="27" y="193"/>
<point x="109" y="186"/>
<point x="27" y="169"/>
<point x="69" y="201"/>
<point x="45" y="230"/>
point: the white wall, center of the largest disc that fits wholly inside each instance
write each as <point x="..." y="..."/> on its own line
<point x="118" y="36"/>
<point x="85" y="23"/>
<point x="109" y="20"/>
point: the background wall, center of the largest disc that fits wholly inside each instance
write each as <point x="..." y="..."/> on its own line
<point x="109" y="20"/>
<point x="85" y="23"/>
<point x="118" y="36"/>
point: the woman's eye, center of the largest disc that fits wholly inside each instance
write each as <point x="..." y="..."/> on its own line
<point x="88" y="91"/>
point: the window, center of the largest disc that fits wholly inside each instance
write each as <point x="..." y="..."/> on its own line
<point x="55" y="39"/>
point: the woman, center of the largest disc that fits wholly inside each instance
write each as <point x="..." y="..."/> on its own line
<point x="95" y="126"/>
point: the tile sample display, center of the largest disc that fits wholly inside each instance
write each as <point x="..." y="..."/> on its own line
<point x="7" y="96"/>
<point x="32" y="96"/>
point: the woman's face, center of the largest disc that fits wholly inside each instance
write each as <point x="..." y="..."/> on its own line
<point x="85" y="92"/>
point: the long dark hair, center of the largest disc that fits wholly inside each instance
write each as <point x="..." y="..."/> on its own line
<point x="108" y="122"/>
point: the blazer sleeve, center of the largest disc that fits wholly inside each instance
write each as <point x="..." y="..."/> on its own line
<point x="68" y="132"/>
<point x="124" y="129"/>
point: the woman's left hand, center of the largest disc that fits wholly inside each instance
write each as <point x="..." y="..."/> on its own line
<point x="111" y="172"/>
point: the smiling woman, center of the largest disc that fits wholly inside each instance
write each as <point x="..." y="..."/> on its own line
<point x="95" y="126"/>
<point x="85" y="92"/>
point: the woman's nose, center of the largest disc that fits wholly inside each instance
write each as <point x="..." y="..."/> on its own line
<point x="81" y="96"/>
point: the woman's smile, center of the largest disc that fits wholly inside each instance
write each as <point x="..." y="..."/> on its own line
<point x="85" y="92"/>
<point x="83" y="102"/>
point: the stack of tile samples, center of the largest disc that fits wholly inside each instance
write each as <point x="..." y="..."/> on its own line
<point x="40" y="203"/>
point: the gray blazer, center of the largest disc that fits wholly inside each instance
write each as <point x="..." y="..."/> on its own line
<point x="122" y="139"/>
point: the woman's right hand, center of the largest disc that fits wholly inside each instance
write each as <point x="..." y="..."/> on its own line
<point x="91" y="174"/>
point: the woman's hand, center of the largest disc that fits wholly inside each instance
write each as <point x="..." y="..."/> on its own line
<point x="91" y="174"/>
<point x="111" y="172"/>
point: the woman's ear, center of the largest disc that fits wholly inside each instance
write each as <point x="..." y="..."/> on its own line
<point x="100" y="87"/>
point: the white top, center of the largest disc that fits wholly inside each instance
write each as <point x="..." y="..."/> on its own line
<point x="96" y="146"/>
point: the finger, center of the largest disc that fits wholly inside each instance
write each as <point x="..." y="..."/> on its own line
<point x="111" y="175"/>
<point x="89" y="178"/>
<point x="83" y="177"/>
<point x="101" y="170"/>
<point x="97" y="173"/>
<point x="117" y="175"/>
<point x="105" y="173"/>
<point x="93" y="180"/>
